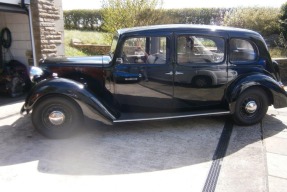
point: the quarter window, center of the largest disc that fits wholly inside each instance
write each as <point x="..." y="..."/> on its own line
<point x="241" y="51"/>
<point x="199" y="49"/>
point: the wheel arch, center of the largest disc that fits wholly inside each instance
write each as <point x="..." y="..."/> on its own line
<point x="275" y="94"/>
<point x="90" y="105"/>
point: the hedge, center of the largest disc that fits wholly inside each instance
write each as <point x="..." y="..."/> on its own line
<point x="92" y="19"/>
<point x="82" y="19"/>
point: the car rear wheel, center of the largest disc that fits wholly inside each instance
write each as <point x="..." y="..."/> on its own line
<point x="57" y="117"/>
<point x="251" y="107"/>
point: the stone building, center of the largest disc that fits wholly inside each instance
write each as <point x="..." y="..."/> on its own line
<point x="37" y="29"/>
<point x="48" y="28"/>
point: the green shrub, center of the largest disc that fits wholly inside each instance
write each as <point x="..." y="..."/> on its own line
<point x="205" y="16"/>
<point x="83" y="19"/>
<point x="261" y="19"/>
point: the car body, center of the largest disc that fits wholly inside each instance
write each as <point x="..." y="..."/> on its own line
<point x="160" y="72"/>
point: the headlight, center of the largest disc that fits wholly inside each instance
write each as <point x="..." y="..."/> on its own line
<point x="35" y="72"/>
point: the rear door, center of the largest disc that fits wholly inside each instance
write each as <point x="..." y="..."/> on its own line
<point x="200" y="72"/>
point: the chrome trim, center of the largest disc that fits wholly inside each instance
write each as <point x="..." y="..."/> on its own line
<point x="57" y="117"/>
<point x="169" y="73"/>
<point x="251" y="107"/>
<point x="173" y="117"/>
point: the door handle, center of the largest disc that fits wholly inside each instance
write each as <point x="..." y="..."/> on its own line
<point x="178" y="73"/>
<point x="169" y="73"/>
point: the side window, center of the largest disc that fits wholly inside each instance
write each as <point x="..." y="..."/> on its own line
<point x="199" y="49"/>
<point x="144" y="50"/>
<point x="241" y="51"/>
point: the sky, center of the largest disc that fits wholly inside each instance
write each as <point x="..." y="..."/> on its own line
<point x="168" y="4"/>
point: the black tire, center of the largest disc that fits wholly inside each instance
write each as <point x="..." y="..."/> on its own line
<point x="57" y="117"/>
<point x="244" y="116"/>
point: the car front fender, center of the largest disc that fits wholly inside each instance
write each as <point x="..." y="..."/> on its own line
<point x="276" y="94"/>
<point x="92" y="106"/>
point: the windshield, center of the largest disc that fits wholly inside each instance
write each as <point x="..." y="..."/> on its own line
<point x="114" y="45"/>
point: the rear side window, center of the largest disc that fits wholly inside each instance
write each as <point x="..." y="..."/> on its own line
<point x="242" y="51"/>
<point x="199" y="49"/>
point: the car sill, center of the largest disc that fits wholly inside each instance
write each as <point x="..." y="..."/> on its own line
<point x="172" y="117"/>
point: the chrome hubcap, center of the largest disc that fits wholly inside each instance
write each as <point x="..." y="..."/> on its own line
<point x="251" y="107"/>
<point x="57" y="117"/>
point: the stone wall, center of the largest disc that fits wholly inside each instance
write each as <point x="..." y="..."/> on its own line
<point x="48" y="27"/>
<point x="90" y="48"/>
<point x="94" y="49"/>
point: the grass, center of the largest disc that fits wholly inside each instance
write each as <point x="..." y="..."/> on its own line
<point x="87" y="37"/>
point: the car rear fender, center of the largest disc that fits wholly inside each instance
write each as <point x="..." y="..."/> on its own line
<point x="92" y="105"/>
<point x="276" y="94"/>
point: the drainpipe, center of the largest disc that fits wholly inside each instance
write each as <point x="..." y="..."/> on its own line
<point x="26" y="5"/>
<point x="32" y="37"/>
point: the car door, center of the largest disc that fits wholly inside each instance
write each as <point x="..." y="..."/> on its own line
<point x="139" y="72"/>
<point x="200" y="73"/>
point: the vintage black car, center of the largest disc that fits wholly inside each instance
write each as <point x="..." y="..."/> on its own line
<point x="159" y="72"/>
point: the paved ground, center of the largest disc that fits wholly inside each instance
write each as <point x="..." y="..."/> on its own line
<point x="174" y="155"/>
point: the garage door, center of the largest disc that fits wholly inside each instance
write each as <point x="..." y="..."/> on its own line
<point x="11" y="8"/>
<point x="14" y="16"/>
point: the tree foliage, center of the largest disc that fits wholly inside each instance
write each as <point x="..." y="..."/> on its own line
<point x="283" y="20"/>
<point x="82" y="19"/>
<point x="207" y="16"/>
<point x="116" y="14"/>
<point x="130" y="13"/>
<point x="260" y="19"/>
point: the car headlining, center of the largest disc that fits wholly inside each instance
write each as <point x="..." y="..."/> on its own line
<point x="159" y="72"/>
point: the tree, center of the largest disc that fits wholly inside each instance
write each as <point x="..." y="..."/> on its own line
<point x="207" y="16"/>
<point x="130" y="13"/>
<point x="260" y="19"/>
<point x="82" y="19"/>
<point x="283" y="20"/>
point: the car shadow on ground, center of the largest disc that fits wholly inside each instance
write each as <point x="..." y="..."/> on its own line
<point x="125" y="148"/>
<point x="6" y="100"/>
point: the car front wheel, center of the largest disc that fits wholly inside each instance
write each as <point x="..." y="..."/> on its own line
<point x="251" y="107"/>
<point x="56" y="117"/>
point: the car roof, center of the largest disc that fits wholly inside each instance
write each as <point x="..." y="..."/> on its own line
<point x="186" y="27"/>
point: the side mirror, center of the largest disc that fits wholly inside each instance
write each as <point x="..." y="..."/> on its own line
<point x="119" y="60"/>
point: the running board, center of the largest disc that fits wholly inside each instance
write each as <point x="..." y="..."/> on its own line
<point x="129" y="117"/>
